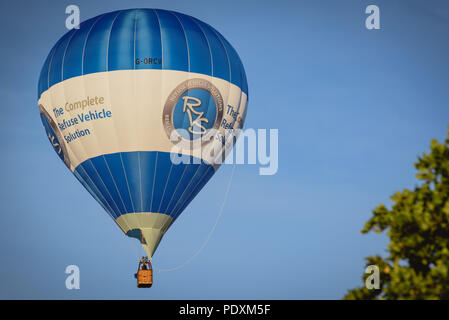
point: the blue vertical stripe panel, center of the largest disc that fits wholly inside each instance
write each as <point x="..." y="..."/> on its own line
<point x="176" y="174"/>
<point x="43" y="78"/>
<point x="204" y="179"/>
<point x="244" y="86"/>
<point x="131" y="165"/>
<point x="159" y="39"/>
<point x="175" y="54"/>
<point x="147" y="166"/>
<point x="96" y="178"/>
<point x="188" y="173"/>
<point x="55" y="75"/>
<point x="105" y="174"/>
<point x="199" y="51"/>
<point x="220" y="61"/>
<point x="97" y="42"/>
<point x="143" y="181"/>
<point x="93" y="193"/>
<point x="73" y="65"/>
<point x="121" y="41"/>
<point x="161" y="174"/>
<point x="115" y="164"/>
<point x="148" y="43"/>
<point x="188" y="191"/>
<point x="91" y="184"/>
<point x="234" y="61"/>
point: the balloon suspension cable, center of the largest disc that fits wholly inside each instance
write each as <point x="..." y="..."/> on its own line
<point x="220" y="212"/>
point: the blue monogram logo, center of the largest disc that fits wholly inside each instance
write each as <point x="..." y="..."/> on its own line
<point x="192" y="109"/>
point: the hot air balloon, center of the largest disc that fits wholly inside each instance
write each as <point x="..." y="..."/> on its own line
<point x="127" y="95"/>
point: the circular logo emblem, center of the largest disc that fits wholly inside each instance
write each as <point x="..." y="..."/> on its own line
<point x="192" y="109"/>
<point x="54" y="136"/>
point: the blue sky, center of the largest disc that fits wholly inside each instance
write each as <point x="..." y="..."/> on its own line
<point x="354" y="109"/>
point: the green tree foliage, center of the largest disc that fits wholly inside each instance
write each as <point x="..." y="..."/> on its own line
<point x="417" y="265"/>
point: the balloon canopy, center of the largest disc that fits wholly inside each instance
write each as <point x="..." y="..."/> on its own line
<point x="136" y="103"/>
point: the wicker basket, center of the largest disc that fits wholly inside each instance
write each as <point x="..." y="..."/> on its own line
<point x="144" y="278"/>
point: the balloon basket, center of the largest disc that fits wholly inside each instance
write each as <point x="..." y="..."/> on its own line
<point x="144" y="273"/>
